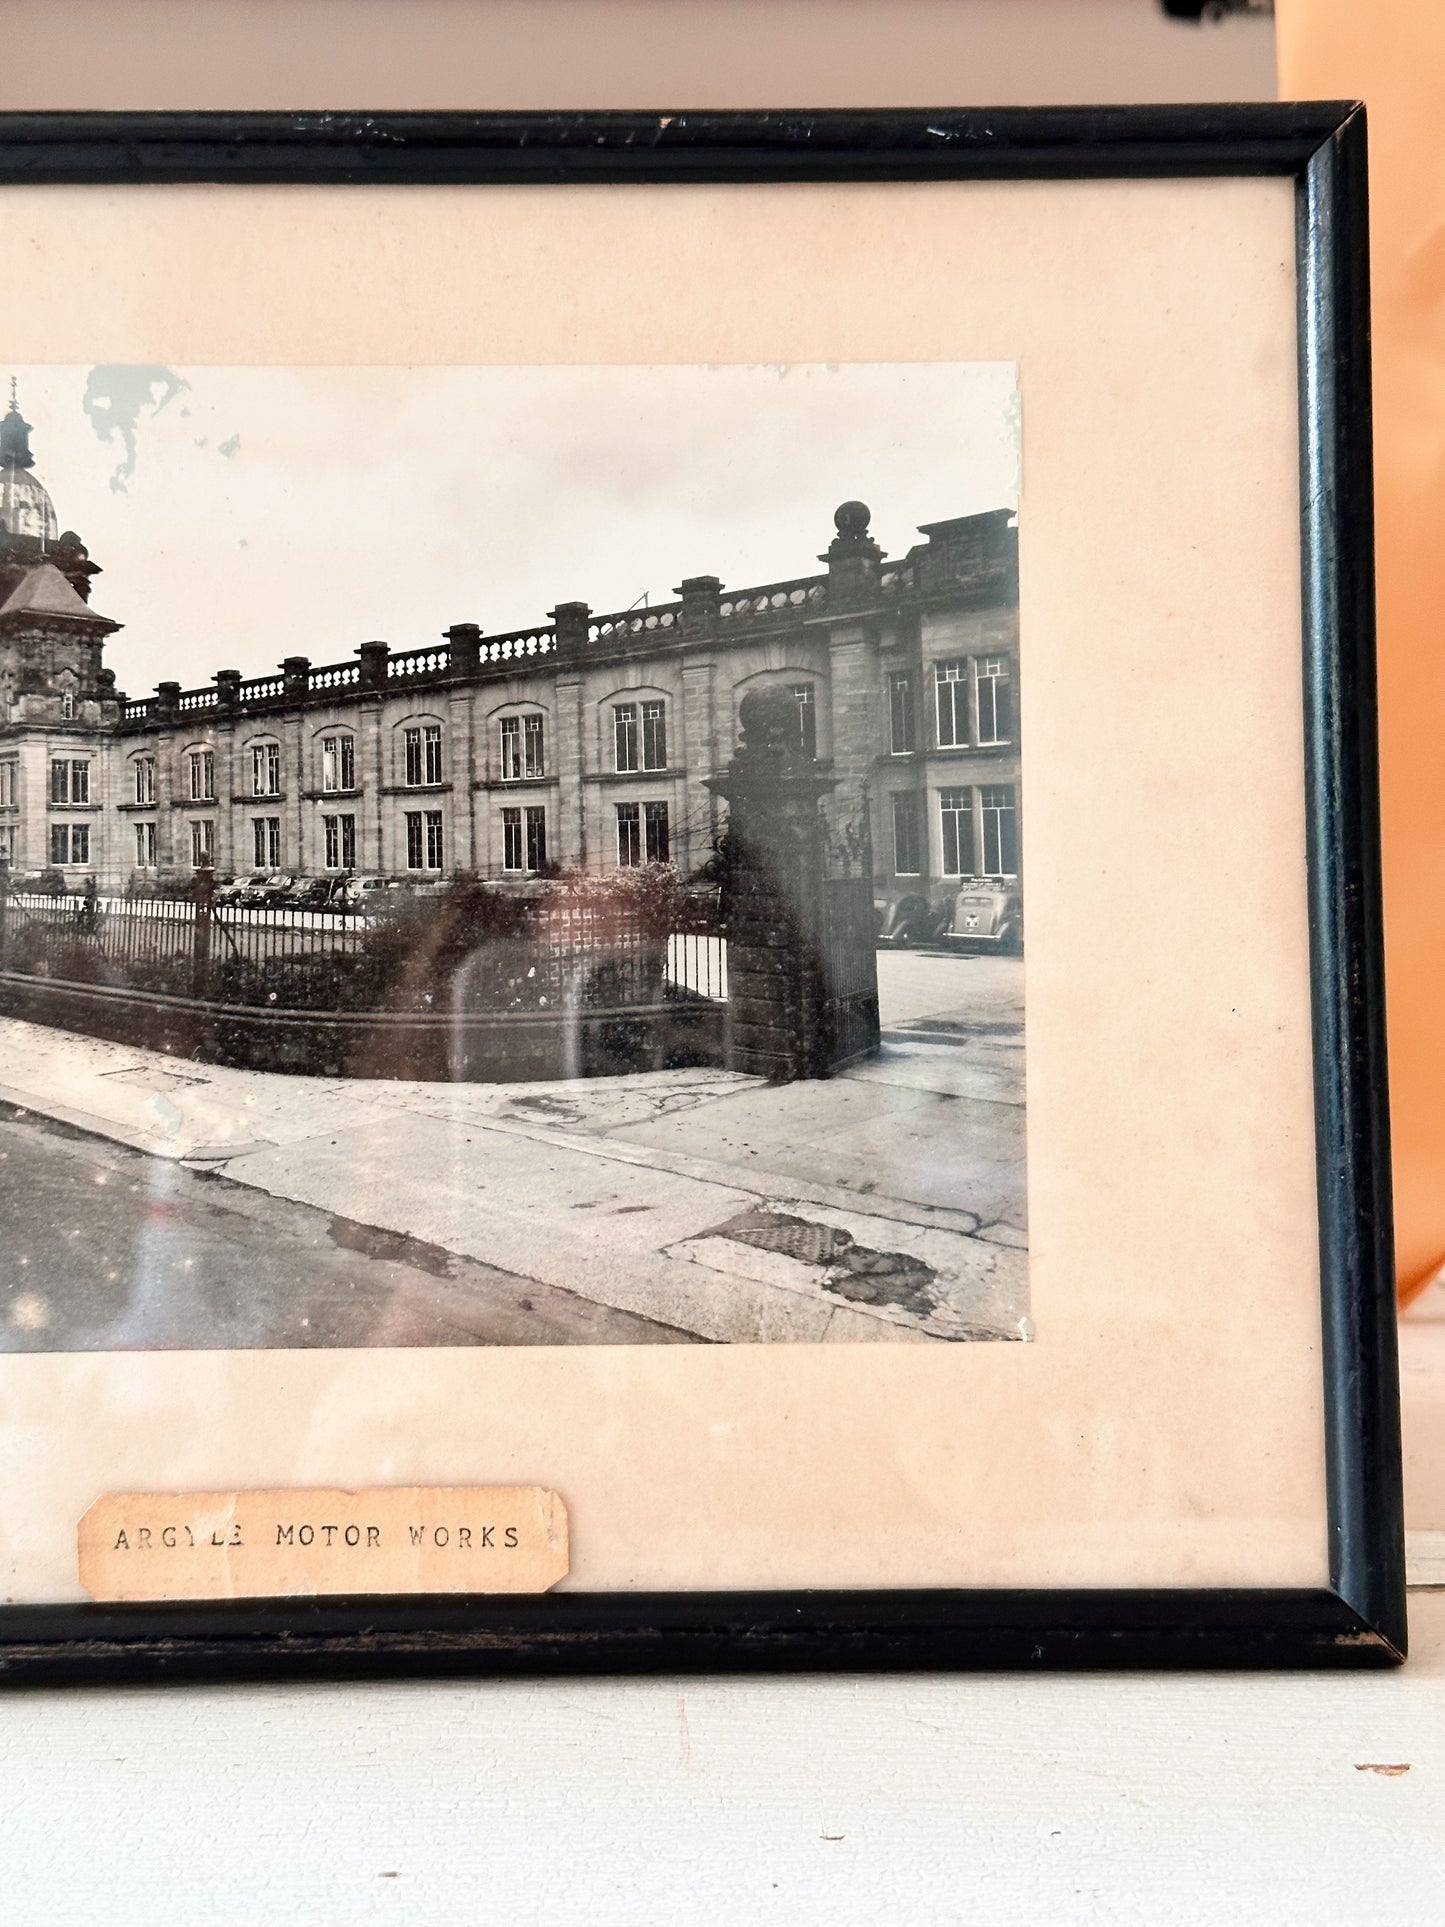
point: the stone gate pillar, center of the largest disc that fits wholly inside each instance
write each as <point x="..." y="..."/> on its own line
<point x="775" y="896"/>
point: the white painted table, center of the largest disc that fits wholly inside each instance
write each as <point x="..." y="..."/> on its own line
<point x="1043" y="1800"/>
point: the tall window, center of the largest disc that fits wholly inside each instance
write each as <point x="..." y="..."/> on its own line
<point x="995" y="701"/>
<point x="265" y="769"/>
<point x="1000" y="831"/>
<point x="338" y="762"/>
<point x="266" y="841"/>
<point x="145" y="846"/>
<point x="424" y="839"/>
<point x="950" y="681"/>
<point x="423" y="746"/>
<point x="67" y="705"/>
<point x="802" y="694"/>
<point x="9" y="782"/>
<point x="654" y="822"/>
<point x="511" y="749"/>
<point x="145" y="779"/>
<point x="203" y="841"/>
<point x="201" y="768"/>
<point x="7" y="843"/>
<point x="522" y="751"/>
<point x="654" y="735"/>
<point x="906" y="840"/>
<point x="339" y="836"/>
<point x="956" y="809"/>
<point x="524" y="839"/>
<point x="629" y="837"/>
<point x="512" y="840"/>
<point x="624" y="735"/>
<point x="69" y="782"/>
<point x="900" y="714"/>
<point x="70" y="843"/>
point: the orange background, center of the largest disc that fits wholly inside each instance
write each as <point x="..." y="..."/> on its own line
<point x="1391" y="54"/>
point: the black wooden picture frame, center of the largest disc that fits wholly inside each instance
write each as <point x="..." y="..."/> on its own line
<point x="1359" y="1618"/>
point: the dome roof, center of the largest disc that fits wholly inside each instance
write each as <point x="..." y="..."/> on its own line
<point x="25" y="504"/>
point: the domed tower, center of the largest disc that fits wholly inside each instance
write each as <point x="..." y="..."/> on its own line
<point x="25" y="505"/>
<point x="57" y="703"/>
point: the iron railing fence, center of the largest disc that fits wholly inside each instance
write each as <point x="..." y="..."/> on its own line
<point x="575" y="944"/>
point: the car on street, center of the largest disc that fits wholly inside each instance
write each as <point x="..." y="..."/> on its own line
<point x="987" y="914"/>
<point x="978" y="913"/>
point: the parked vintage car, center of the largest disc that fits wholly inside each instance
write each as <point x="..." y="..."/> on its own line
<point x="316" y="893"/>
<point x="987" y="914"/>
<point x="367" y="895"/>
<point x="978" y="913"/>
<point x="910" y="919"/>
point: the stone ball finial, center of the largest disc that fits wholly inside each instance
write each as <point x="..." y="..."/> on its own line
<point x="852" y="518"/>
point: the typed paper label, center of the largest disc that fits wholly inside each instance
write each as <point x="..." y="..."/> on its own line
<point x="300" y="1543"/>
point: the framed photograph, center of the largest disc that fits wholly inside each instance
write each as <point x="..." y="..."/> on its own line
<point x="689" y="915"/>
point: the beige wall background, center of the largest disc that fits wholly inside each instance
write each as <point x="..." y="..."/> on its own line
<point x="618" y="53"/>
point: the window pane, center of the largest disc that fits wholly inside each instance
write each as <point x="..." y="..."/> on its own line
<point x="330" y="774"/>
<point x="273" y="841"/>
<point x="434" y="839"/>
<point x="956" y="810"/>
<point x="511" y="839"/>
<point x="413" y="840"/>
<point x="536" y="839"/>
<point x="951" y="688"/>
<point x="80" y="843"/>
<point x="657" y="837"/>
<point x="331" y="835"/>
<point x="433" y="753"/>
<point x="348" y="842"/>
<point x="60" y="782"/>
<point x="628" y="839"/>
<point x="511" y="749"/>
<point x="905" y="836"/>
<point x="624" y="722"/>
<point x="60" y="843"/>
<point x="412" y="738"/>
<point x="348" y="762"/>
<point x="1000" y="833"/>
<point x="258" y="841"/>
<point x="654" y="735"/>
<point x="532" y="729"/>
<point x="900" y="714"/>
<point x="802" y="694"/>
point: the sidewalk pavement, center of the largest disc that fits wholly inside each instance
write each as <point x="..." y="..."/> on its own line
<point x="884" y="1203"/>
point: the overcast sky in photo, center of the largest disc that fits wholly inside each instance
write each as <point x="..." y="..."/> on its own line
<point x="245" y="514"/>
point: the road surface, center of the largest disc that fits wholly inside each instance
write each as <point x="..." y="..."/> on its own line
<point x="106" y="1249"/>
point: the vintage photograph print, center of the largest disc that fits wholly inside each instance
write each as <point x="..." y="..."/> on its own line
<point x="511" y="856"/>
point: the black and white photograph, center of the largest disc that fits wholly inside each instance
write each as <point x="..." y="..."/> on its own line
<point x="511" y="856"/>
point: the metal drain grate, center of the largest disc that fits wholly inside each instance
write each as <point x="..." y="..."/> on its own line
<point x="811" y="1244"/>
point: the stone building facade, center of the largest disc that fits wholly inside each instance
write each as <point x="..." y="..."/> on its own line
<point x="582" y="742"/>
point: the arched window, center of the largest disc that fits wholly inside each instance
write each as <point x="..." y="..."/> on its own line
<point x="338" y="760"/>
<point x="636" y="726"/>
<point x="521" y="746"/>
<point x="198" y="774"/>
<point x="419" y="753"/>
<point x="265" y="770"/>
